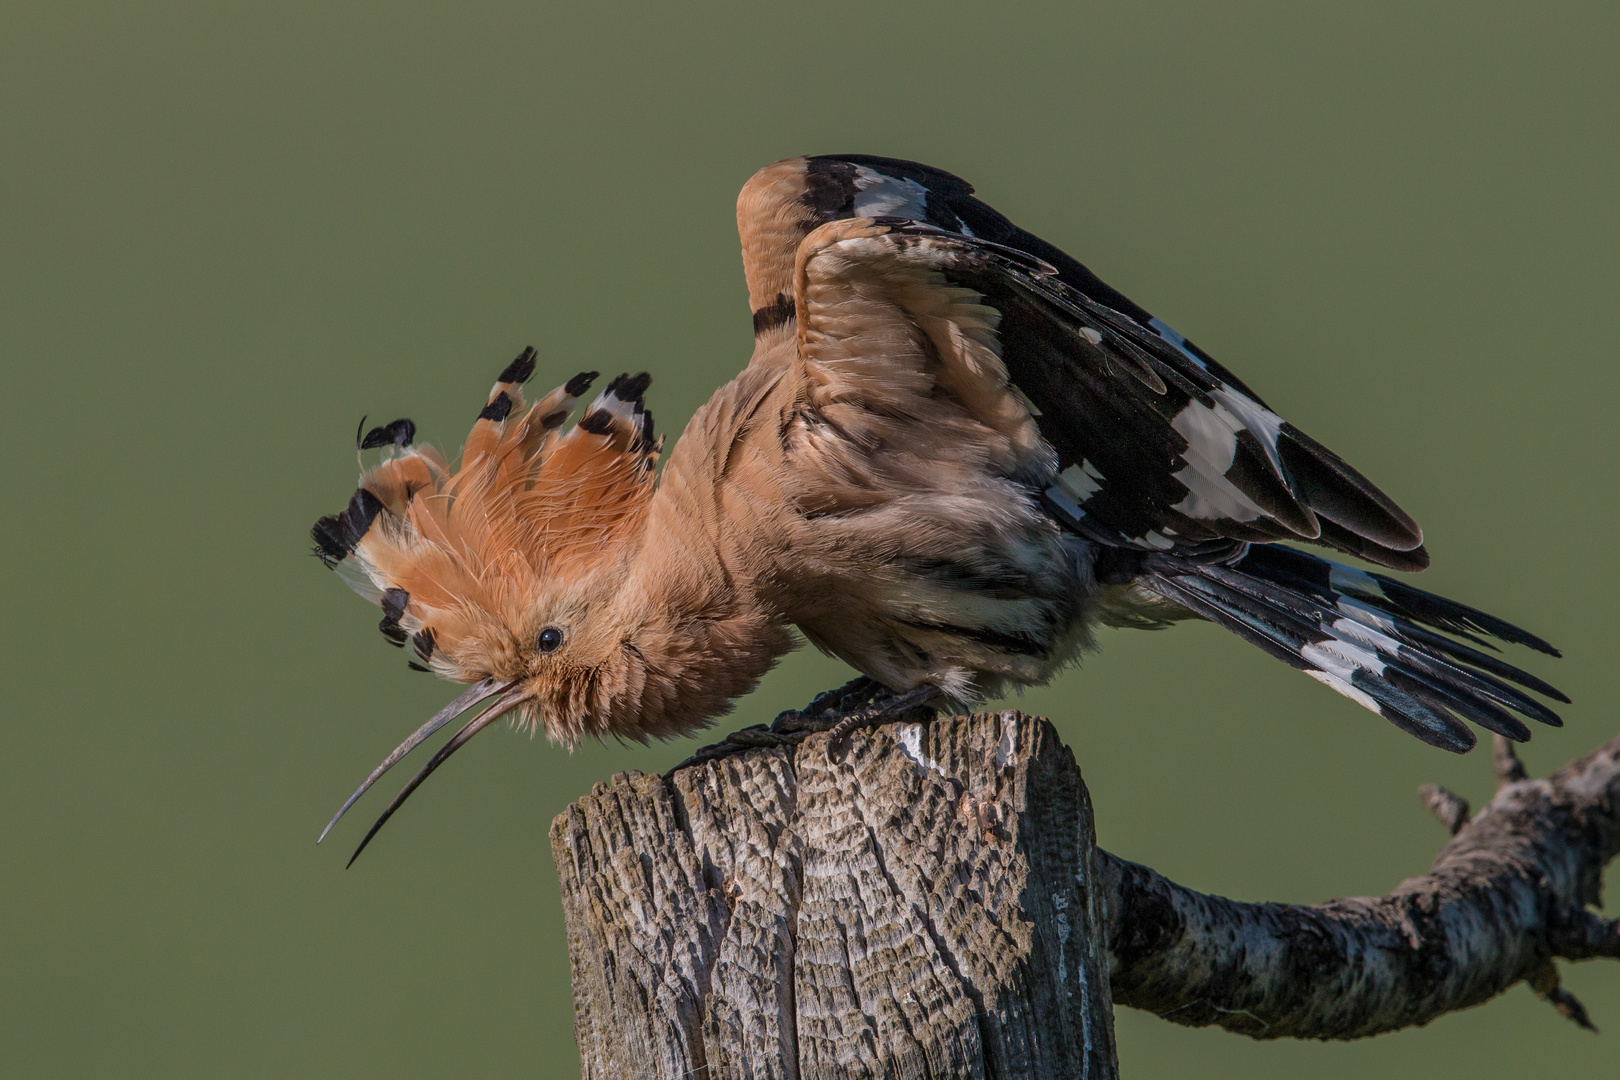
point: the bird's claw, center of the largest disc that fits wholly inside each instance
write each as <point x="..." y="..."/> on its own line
<point x="858" y="704"/>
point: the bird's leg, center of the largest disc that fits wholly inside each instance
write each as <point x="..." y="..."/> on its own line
<point x="888" y="708"/>
<point x="859" y="703"/>
<point x="829" y="707"/>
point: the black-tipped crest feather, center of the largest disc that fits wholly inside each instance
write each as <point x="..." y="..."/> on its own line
<point x="519" y="370"/>
<point x="336" y="535"/>
<point x="398" y="433"/>
<point x="580" y="383"/>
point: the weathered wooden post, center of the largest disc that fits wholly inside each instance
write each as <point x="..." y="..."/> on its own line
<point x="920" y="900"/>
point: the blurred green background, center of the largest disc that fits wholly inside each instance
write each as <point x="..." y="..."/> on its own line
<point x="228" y="230"/>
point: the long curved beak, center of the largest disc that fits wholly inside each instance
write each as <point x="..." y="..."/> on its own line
<point x="506" y="695"/>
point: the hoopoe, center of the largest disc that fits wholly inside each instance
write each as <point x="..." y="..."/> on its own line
<point x="953" y="453"/>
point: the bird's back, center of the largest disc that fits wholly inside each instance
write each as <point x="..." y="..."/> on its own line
<point x="991" y="448"/>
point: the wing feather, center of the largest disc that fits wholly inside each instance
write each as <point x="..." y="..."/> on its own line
<point x="1177" y="453"/>
<point x="1175" y="456"/>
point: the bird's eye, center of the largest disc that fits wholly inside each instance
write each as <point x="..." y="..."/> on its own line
<point x="549" y="640"/>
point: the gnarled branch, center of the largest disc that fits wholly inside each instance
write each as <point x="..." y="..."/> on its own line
<point x="1506" y="897"/>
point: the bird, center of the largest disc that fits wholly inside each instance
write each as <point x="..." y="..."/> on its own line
<point x="953" y="454"/>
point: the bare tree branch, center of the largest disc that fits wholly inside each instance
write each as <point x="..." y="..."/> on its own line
<point x="1506" y="896"/>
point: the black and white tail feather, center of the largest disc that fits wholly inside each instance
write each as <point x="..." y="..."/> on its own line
<point x="1183" y="479"/>
<point x="1368" y="637"/>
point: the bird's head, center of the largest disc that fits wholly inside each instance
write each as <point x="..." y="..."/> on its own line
<point x="504" y="571"/>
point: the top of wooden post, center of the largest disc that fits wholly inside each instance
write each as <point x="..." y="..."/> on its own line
<point x="918" y="901"/>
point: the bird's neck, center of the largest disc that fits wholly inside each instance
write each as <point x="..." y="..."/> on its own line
<point x="702" y="622"/>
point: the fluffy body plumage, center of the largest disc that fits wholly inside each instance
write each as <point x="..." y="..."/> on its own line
<point x="953" y="452"/>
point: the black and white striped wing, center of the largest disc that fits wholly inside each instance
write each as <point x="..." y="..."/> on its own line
<point x="1158" y="450"/>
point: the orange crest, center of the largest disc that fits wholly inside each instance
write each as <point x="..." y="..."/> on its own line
<point x="456" y="556"/>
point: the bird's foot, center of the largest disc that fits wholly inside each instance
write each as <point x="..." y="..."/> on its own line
<point x="858" y="704"/>
<point x="879" y="705"/>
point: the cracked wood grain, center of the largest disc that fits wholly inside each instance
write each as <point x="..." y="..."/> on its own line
<point x="919" y="902"/>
